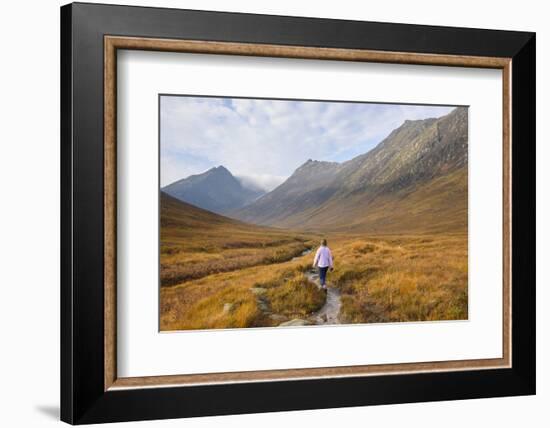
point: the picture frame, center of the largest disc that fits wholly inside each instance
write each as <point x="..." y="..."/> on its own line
<point x="91" y="390"/>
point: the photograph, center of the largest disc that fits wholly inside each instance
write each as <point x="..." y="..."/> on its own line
<point x="280" y="212"/>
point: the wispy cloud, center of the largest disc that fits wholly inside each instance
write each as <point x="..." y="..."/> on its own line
<point x="264" y="141"/>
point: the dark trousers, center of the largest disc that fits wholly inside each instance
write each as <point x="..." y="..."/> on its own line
<point x="323" y="274"/>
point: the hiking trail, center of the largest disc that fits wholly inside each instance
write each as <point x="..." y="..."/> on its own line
<point x="330" y="311"/>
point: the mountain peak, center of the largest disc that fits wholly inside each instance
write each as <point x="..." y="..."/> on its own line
<point x="215" y="190"/>
<point x="424" y="122"/>
<point x="415" y="155"/>
<point x="218" y="170"/>
<point x="315" y="164"/>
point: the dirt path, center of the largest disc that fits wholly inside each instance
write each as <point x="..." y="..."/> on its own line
<point x="330" y="312"/>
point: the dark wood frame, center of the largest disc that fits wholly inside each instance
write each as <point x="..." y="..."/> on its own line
<point x="90" y="389"/>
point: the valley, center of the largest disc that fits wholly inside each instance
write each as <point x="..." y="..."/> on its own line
<point x="219" y="273"/>
<point x="396" y="221"/>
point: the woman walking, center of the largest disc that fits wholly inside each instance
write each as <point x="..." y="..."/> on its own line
<point x="323" y="261"/>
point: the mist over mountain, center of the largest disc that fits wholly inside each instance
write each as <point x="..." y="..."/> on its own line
<point x="262" y="182"/>
<point x="215" y="190"/>
<point x="416" y="178"/>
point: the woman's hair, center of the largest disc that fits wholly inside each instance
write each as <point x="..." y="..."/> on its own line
<point x="324" y="242"/>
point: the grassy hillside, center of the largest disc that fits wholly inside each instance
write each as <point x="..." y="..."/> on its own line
<point x="439" y="205"/>
<point x="414" y="181"/>
<point x="196" y="243"/>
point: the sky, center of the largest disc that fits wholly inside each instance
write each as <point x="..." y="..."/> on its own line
<point x="263" y="141"/>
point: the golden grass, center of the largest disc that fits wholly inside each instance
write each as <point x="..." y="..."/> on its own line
<point x="295" y="297"/>
<point x="196" y="243"/>
<point x="234" y="299"/>
<point x="220" y="273"/>
<point x="185" y="265"/>
<point x="403" y="279"/>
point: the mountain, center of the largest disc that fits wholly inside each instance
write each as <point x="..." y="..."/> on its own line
<point x="215" y="190"/>
<point x="415" y="179"/>
<point x="186" y="217"/>
<point x="309" y="186"/>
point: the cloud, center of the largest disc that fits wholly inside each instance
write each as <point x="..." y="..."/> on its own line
<point x="264" y="141"/>
<point x="265" y="182"/>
